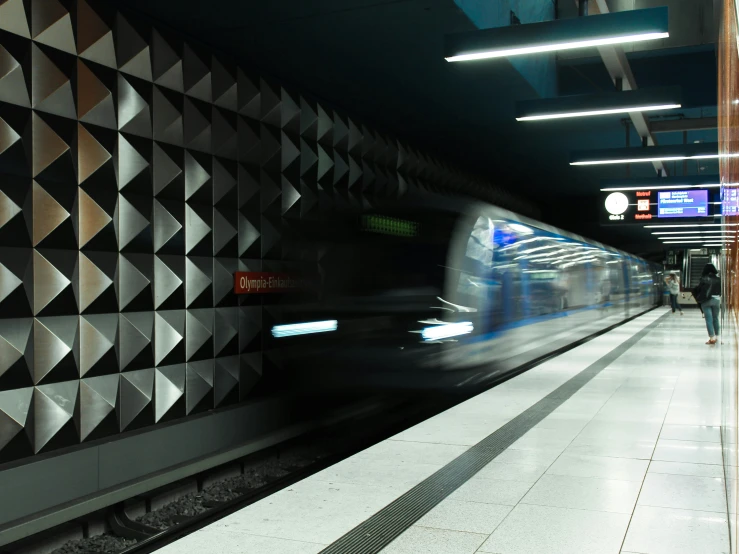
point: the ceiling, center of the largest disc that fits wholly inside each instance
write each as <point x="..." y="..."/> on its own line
<point x="382" y="61"/>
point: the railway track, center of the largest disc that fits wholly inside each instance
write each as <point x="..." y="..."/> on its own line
<point x="261" y="474"/>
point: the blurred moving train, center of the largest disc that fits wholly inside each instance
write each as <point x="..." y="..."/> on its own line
<point x="429" y="295"/>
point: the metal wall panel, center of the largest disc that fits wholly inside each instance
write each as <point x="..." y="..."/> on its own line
<point x="138" y="171"/>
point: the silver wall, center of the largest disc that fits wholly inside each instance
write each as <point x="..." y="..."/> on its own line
<point x="138" y="171"/>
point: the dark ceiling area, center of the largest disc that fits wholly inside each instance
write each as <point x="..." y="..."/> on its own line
<point x="382" y="61"/>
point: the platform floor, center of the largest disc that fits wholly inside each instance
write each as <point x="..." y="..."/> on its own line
<point x="628" y="463"/>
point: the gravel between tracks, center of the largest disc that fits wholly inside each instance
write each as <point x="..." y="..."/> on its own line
<point x="256" y="474"/>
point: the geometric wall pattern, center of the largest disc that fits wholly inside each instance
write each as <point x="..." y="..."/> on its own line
<point x="137" y="173"/>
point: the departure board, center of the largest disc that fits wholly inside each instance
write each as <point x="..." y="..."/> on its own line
<point x="682" y="203"/>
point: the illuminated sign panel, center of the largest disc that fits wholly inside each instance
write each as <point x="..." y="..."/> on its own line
<point x="730" y="201"/>
<point x="682" y="203"/>
<point x="389" y="226"/>
<point x="257" y="282"/>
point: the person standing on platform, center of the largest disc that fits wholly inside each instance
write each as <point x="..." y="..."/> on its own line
<point x="708" y="296"/>
<point x="673" y="286"/>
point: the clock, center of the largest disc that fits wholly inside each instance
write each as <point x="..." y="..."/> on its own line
<point x="617" y="203"/>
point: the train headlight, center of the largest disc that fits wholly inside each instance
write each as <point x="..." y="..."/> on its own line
<point x="446" y="331"/>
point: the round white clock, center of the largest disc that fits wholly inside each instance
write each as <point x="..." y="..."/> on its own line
<point x="617" y="203"/>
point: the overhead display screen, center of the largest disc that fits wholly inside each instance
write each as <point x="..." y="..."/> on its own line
<point x="682" y="203"/>
<point x="730" y="202"/>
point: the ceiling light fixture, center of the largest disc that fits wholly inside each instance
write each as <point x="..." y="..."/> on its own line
<point x="662" y="153"/>
<point x="661" y="183"/>
<point x="590" y="113"/>
<point x="692" y="232"/>
<point x="560" y="34"/>
<point x="688" y="226"/>
<point x="665" y="187"/>
<point x="670" y="239"/>
<point x="641" y="160"/>
<point x="604" y="103"/>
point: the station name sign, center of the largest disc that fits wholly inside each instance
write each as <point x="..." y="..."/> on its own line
<point x="254" y="282"/>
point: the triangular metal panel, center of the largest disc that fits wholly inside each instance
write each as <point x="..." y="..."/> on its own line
<point x="91" y="155"/>
<point x="169" y="387"/>
<point x="195" y="229"/>
<point x="8" y="282"/>
<point x="53" y="408"/>
<point x="223" y="231"/>
<point x="15" y="406"/>
<point x="92" y="282"/>
<point x="165" y="169"/>
<point x="166" y="337"/>
<point x="13" y="85"/>
<point x="94" y="100"/>
<point x="168" y="124"/>
<point x="94" y="37"/>
<point x="199" y="382"/>
<point x="129" y="163"/>
<point x="290" y="195"/>
<point x="133" y="51"/>
<point x="134" y="112"/>
<point x="8" y="209"/>
<point x="98" y="399"/>
<point x="137" y="389"/>
<point x="129" y="222"/>
<point x="195" y="175"/>
<point x="225" y="328"/>
<point x="197" y="127"/>
<point x="13" y="18"/>
<point x="91" y="218"/>
<point x="167" y="65"/>
<point x="132" y="339"/>
<point x="129" y="282"/>
<point x="198" y="330"/>
<point x="222" y="281"/>
<point x="8" y="136"/>
<point x="48" y="282"/>
<point x="51" y="90"/>
<point x="248" y="234"/>
<point x="48" y="214"/>
<point x="47" y="145"/>
<point x="92" y="344"/>
<point x="223" y="181"/>
<point x="51" y="24"/>
<point x="165" y="226"/>
<point x="166" y="282"/>
<point x="225" y="380"/>
<point x="196" y="282"/>
<point x="15" y="343"/>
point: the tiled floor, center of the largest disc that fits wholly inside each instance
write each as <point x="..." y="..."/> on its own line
<point x="630" y="464"/>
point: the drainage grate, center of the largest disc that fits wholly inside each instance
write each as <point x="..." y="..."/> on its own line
<point x="386" y="525"/>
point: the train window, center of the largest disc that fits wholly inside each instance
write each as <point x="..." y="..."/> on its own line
<point x="513" y="272"/>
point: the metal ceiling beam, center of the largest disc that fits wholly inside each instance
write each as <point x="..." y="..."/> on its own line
<point x="619" y="69"/>
<point x="678" y="125"/>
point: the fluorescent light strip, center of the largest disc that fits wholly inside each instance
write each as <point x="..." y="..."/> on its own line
<point x="556" y="46"/>
<point x="684" y="241"/>
<point x="293" y="329"/>
<point x="696" y="238"/>
<point x="639" y="160"/>
<point x="599" y="112"/>
<point x="661" y="187"/>
<point x="688" y="226"/>
<point x="447" y="330"/>
<point x="692" y="232"/>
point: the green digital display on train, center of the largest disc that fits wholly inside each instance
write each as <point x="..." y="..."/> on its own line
<point x="389" y="226"/>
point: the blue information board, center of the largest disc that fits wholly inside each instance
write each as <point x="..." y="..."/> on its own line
<point x="682" y="203"/>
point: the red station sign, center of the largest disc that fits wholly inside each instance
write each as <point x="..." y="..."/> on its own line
<point x="255" y="282"/>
